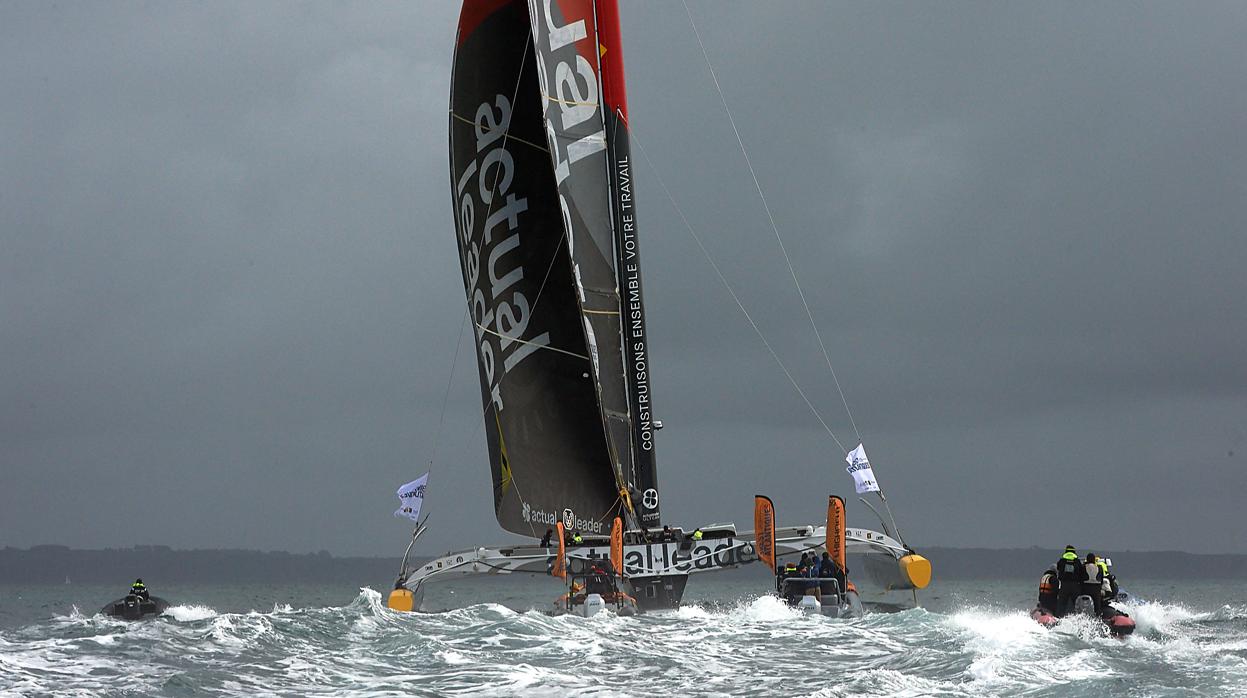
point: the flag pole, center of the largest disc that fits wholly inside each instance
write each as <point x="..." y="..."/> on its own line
<point x="882" y="521"/>
<point x="415" y="535"/>
<point x="887" y="506"/>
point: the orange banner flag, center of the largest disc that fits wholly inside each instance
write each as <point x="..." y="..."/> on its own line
<point x="559" y="569"/>
<point x="617" y="546"/>
<point x="764" y="529"/>
<point x="835" y="530"/>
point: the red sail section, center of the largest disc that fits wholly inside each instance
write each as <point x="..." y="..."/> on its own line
<point x="764" y="529"/>
<point x="473" y="13"/>
<point x="614" y="91"/>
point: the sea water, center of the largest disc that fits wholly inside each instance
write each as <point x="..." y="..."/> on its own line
<point x="971" y="638"/>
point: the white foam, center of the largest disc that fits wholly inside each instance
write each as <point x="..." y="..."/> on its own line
<point x="186" y="614"/>
<point x="770" y="609"/>
<point x="1167" y="620"/>
<point x="453" y="658"/>
<point x="892" y="683"/>
<point x="692" y="612"/>
<point x="998" y="631"/>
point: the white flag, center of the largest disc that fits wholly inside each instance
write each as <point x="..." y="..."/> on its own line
<point x="411" y="496"/>
<point x="859" y="468"/>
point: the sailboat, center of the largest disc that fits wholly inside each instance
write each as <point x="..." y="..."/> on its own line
<point x="547" y="231"/>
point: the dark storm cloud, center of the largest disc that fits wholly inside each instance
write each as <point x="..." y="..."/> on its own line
<point x="229" y="294"/>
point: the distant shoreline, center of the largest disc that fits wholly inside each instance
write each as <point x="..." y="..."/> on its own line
<point x="52" y="564"/>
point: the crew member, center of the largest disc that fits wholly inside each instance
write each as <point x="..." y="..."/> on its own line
<point x="812" y="587"/>
<point x="1048" y="590"/>
<point x="1067" y="572"/>
<point x="139" y="589"/>
<point x="667" y="535"/>
<point x="545" y="540"/>
<point x="597" y="582"/>
<point x="697" y="534"/>
<point x="576" y="539"/>
<point x="1108" y="588"/>
<point x="1114" y="589"/>
<point x="789" y="589"/>
<point x="1091" y="579"/>
<point x="828" y="569"/>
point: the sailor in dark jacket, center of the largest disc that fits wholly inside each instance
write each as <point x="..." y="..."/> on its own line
<point x="790" y="591"/>
<point x="827" y="568"/>
<point x="139" y="589"/>
<point x="1069" y="584"/>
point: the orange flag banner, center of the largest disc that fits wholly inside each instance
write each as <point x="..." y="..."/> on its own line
<point x="835" y="530"/>
<point x="764" y="529"/>
<point x="617" y="546"/>
<point x="560" y="562"/>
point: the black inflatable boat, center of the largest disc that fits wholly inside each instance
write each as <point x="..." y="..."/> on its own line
<point x="134" y="607"/>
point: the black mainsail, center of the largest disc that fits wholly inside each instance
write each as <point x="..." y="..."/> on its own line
<point x="546" y="234"/>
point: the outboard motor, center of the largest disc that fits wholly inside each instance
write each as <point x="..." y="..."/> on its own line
<point x="1084" y="605"/>
<point x="809" y="604"/>
<point x="593" y="604"/>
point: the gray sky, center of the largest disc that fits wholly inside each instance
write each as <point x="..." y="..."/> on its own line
<point x="230" y="296"/>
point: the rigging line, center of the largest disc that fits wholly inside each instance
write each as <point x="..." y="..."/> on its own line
<point x="569" y="102"/>
<point x="437" y="435"/>
<point x="771" y="218"/>
<point x="487" y="129"/>
<point x="696" y="238"/>
<point x="547" y="347"/>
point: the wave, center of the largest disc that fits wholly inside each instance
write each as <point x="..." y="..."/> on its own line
<point x="746" y="646"/>
<point x="190" y="613"/>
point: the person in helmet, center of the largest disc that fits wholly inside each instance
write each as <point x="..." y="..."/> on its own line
<point x="1068" y="572"/>
<point x="597" y="582"/>
<point x="139" y="589"/>
<point x="1048" y="586"/>
<point x="790" y="591"/>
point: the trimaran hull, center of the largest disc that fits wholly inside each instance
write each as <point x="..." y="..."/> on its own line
<point x="665" y="567"/>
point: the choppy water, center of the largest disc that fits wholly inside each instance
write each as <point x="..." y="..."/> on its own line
<point x="974" y="639"/>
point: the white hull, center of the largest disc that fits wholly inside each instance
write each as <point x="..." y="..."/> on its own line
<point x="654" y="560"/>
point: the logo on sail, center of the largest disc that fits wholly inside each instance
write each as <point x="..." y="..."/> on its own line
<point x="501" y="311"/>
<point x="570" y="520"/>
<point x="650" y="498"/>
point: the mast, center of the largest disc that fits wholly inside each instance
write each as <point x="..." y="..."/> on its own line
<point x="634" y="337"/>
